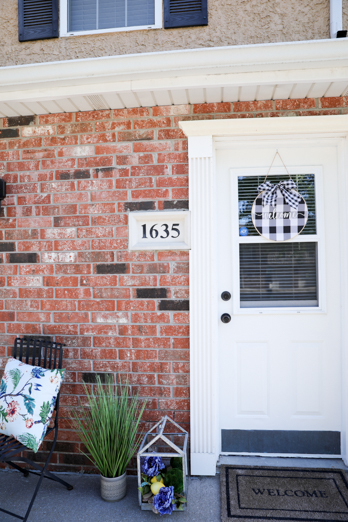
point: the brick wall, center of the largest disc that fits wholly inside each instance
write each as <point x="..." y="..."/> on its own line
<point x="65" y="270"/>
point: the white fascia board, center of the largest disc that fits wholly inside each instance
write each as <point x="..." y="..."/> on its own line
<point x="317" y="60"/>
<point x="337" y="124"/>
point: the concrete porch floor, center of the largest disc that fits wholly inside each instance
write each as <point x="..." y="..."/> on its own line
<point x="84" y="504"/>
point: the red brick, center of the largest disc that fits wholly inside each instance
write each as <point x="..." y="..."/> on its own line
<point x="172" y="181"/>
<point x="37" y="269"/>
<point x="61" y="329"/>
<point x="174" y="330"/>
<point x="129" y="280"/>
<point x="174" y="404"/>
<point x="61" y="281"/>
<point x="79" y="244"/>
<point x="150" y="342"/>
<point x="24" y="281"/>
<point x="38" y="154"/>
<point x="174" y="280"/>
<point x="106" y="366"/>
<point x="60" y="304"/>
<point x="63" y="117"/>
<point x="24" y="328"/>
<point x="8" y="269"/>
<point x="150" y="123"/>
<point x="35" y="222"/>
<point x="180" y="193"/>
<point x="7" y="316"/>
<point x="97" y="305"/>
<point x="151" y="170"/>
<point x="112" y="220"/>
<point x="35" y="293"/>
<point x="206" y="108"/>
<point x="96" y="257"/>
<point x="105" y="126"/>
<point x="132" y="183"/>
<point x="152" y="391"/>
<point x="10" y="155"/>
<point x="171" y="110"/>
<point x="57" y="233"/>
<point x="34" y="199"/>
<point x="138" y="355"/>
<point x="150" y="194"/>
<point x="71" y="317"/>
<point x="180" y="343"/>
<point x="58" y="163"/>
<point x="113" y="149"/>
<point x="93" y="115"/>
<point x="173" y="256"/>
<point x="75" y="128"/>
<point x="100" y="161"/>
<point x="95" y="232"/>
<point x="111" y="293"/>
<point x="253" y="106"/>
<point x="151" y="146"/>
<point x="58" y="186"/>
<point x="106" y="280"/>
<point x="136" y="135"/>
<point x="174" y="380"/>
<point x="150" y="318"/>
<point x="305" y="103"/>
<point x="339" y="101"/>
<point x="137" y="305"/>
<point x="181" y="318"/>
<point x="73" y="269"/>
<point x="112" y="342"/>
<point x="97" y="208"/>
<point x="135" y="256"/>
<point x="43" y="130"/>
<point x="153" y="367"/>
<point x="25" y="144"/>
<point x="33" y="317"/>
<point x="36" y="177"/>
<point x="73" y="293"/>
<point x="172" y="157"/>
<point x="110" y="195"/>
<point x="130" y="113"/>
<point x="106" y="244"/>
<point x="71" y="221"/>
<point x="22" y="304"/>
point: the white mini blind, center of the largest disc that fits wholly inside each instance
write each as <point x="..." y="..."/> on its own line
<point x="276" y="275"/>
<point x="88" y="15"/>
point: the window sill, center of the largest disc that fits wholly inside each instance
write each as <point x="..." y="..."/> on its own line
<point x="112" y="30"/>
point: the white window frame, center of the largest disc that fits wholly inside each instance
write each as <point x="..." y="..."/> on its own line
<point x="316" y="238"/>
<point x="64" y="22"/>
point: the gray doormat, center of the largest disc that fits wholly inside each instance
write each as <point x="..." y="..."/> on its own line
<point x="250" y="494"/>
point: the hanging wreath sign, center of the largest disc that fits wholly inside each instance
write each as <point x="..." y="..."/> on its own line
<point x="279" y="212"/>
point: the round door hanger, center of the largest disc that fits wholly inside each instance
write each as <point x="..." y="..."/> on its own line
<point x="279" y="213"/>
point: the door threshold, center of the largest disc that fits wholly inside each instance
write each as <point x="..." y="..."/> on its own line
<point x="279" y="462"/>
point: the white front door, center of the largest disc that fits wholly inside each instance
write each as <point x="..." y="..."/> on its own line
<point x="279" y="356"/>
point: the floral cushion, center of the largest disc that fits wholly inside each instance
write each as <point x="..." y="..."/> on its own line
<point x="27" y="398"/>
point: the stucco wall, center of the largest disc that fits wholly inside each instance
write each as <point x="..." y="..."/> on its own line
<point x="231" y="22"/>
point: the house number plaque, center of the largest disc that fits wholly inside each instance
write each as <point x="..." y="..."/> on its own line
<point x="159" y="230"/>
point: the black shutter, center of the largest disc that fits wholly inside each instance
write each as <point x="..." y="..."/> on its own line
<point x="37" y="19"/>
<point x="183" y="13"/>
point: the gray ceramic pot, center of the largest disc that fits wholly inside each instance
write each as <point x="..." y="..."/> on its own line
<point x="113" y="489"/>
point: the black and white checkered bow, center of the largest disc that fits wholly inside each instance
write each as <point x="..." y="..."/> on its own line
<point x="269" y="196"/>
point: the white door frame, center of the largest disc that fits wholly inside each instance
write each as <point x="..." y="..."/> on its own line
<point x="203" y="136"/>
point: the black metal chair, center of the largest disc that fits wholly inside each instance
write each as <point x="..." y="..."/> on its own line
<point x="47" y="354"/>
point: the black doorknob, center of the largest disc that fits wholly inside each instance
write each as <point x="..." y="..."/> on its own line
<point x="225" y="296"/>
<point x="225" y="318"/>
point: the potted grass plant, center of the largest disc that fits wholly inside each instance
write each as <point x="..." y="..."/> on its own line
<point x="108" y="427"/>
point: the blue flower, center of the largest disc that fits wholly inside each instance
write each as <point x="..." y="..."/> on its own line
<point x="163" y="501"/>
<point x="151" y="466"/>
<point x="37" y="372"/>
<point x="37" y="386"/>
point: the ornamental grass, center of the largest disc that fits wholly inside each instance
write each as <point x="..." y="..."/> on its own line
<point x="108" y="426"/>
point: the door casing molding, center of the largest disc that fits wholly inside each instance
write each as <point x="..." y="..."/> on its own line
<point x="204" y="137"/>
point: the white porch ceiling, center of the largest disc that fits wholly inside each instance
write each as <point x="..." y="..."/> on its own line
<point x="228" y="74"/>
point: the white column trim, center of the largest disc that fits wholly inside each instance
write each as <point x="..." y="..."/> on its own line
<point x="204" y="135"/>
<point x="203" y="307"/>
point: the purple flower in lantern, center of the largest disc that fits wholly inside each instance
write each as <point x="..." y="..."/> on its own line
<point x="151" y="466"/>
<point x="163" y="501"/>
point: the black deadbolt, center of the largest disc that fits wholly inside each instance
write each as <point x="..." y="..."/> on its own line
<point x="225" y="296"/>
<point x="225" y="318"/>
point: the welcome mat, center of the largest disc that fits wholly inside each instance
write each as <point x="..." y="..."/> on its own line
<point x="250" y="494"/>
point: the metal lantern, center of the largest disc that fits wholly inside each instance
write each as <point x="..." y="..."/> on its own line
<point x="166" y="439"/>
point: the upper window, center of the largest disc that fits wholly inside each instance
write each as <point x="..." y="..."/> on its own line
<point x="95" y="16"/>
<point x="91" y="15"/>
